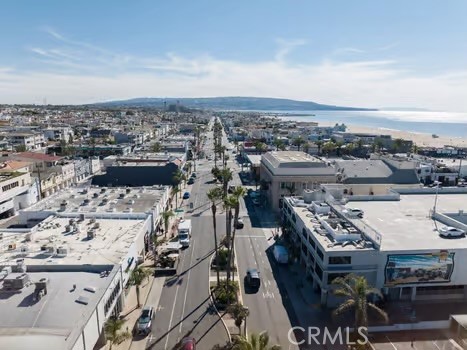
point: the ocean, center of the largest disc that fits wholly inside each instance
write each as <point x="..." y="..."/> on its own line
<point x="439" y="123"/>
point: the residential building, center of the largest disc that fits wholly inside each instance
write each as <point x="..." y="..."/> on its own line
<point x="27" y="140"/>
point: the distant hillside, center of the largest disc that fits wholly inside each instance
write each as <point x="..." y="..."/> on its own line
<point x="231" y="103"/>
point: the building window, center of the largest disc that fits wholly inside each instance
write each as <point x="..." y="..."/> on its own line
<point x="340" y="260"/>
<point x="320" y="253"/>
<point x="319" y="272"/>
<point x="440" y="290"/>
<point x="10" y="186"/>
<point x="312" y="243"/>
<point x="283" y="185"/>
<point x="312" y="259"/>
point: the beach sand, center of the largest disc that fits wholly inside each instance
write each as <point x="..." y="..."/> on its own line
<point x="421" y="140"/>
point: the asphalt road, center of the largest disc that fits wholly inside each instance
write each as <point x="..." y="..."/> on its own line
<point x="184" y="307"/>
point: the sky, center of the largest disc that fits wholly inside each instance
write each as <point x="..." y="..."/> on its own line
<point x="361" y="53"/>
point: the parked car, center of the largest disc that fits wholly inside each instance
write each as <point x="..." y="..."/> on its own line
<point x="252" y="279"/>
<point x="191" y="181"/>
<point x="193" y="175"/>
<point x="239" y="224"/>
<point x="448" y="231"/>
<point x="256" y="201"/>
<point x="186" y="195"/>
<point x="143" y="326"/>
<point x="353" y="212"/>
<point x="188" y="344"/>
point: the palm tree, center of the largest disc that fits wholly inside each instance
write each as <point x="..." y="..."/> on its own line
<point x="356" y="291"/>
<point x="398" y="144"/>
<point x="278" y="143"/>
<point x="214" y="195"/>
<point x="175" y="192"/>
<point x="138" y="275"/>
<point x="166" y="215"/>
<point x="239" y="314"/>
<point x="238" y="192"/>
<point x="230" y="202"/>
<point x="226" y="176"/>
<point x="306" y="147"/>
<point x="113" y="333"/>
<point x="260" y="147"/>
<point x="254" y="342"/>
<point x="177" y="177"/>
<point x="329" y="147"/>
<point x="299" y="141"/>
<point x="319" y="143"/>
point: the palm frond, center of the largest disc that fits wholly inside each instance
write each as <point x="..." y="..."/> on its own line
<point x="380" y="312"/>
<point x="345" y="306"/>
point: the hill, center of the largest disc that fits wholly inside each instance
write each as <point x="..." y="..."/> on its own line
<point x="231" y="103"/>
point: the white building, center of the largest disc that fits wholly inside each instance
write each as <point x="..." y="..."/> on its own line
<point x="396" y="245"/>
<point x="289" y="172"/>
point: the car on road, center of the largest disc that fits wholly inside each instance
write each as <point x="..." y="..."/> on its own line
<point x="193" y="175"/>
<point x="188" y="344"/>
<point x="186" y="195"/>
<point x="239" y="223"/>
<point x="256" y="201"/>
<point x="191" y="181"/>
<point x="143" y="326"/>
<point x="252" y="279"/>
<point x="448" y="232"/>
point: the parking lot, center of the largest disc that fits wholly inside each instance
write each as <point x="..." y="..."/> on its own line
<point x="421" y="340"/>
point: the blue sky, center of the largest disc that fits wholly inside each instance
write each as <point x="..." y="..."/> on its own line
<point x="359" y="53"/>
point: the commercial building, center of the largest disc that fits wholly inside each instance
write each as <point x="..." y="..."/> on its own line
<point x="147" y="169"/>
<point x="64" y="277"/>
<point x="286" y="173"/>
<point x="396" y="244"/>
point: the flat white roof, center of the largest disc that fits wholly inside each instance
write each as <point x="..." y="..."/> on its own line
<point x="406" y="225"/>
<point x="110" y="245"/>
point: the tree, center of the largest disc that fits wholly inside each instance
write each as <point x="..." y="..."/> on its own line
<point x="239" y="314"/>
<point x="254" y="342"/>
<point x="306" y="147"/>
<point x="291" y="189"/>
<point x="278" y="143"/>
<point x="230" y="202"/>
<point x="177" y="177"/>
<point x="377" y="145"/>
<point x="398" y="144"/>
<point x="175" y="192"/>
<point x="226" y="176"/>
<point x="260" y="147"/>
<point x="156" y="147"/>
<point x="138" y="275"/>
<point x="329" y="147"/>
<point x="238" y="192"/>
<point x="215" y="195"/>
<point x="298" y="141"/>
<point x="356" y="291"/>
<point x="20" y="148"/>
<point x="113" y="333"/>
<point x="166" y="215"/>
<point x="319" y="143"/>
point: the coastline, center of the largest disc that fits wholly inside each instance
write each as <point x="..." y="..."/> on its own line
<point x="420" y="139"/>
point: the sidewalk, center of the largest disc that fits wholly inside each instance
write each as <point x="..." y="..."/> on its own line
<point x="131" y="313"/>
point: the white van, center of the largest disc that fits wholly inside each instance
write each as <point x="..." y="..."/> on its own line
<point x="184" y="232"/>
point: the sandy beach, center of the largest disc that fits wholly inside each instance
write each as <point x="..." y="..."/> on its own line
<point x="420" y="139"/>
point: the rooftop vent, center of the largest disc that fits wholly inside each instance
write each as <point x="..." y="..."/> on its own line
<point x="90" y="289"/>
<point x="82" y="300"/>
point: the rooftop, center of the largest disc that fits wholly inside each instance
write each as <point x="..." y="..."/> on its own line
<point x="405" y="224"/>
<point x="295" y="163"/>
<point x="102" y="199"/>
<point x="56" y="319"/>
<point x="36" y="156"/>
<point x="111" y="242"/>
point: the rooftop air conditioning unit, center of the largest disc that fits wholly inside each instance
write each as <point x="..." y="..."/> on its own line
<point x="91" y="234"/>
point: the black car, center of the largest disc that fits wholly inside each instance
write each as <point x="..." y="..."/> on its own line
<point x="191" y="181"/>
<point x="252" y="279"/>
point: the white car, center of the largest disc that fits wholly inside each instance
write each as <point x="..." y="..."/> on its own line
<point x="353" y="212"/>
<point x="448" y="231"/>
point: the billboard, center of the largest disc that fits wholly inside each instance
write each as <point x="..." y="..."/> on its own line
<point x="419" y="268"/>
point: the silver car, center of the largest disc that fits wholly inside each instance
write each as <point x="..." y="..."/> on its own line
<point x="143" y="326"/>
<point x="448" y="231"/>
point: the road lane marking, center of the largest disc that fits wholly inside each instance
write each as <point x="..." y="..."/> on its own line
<point x="186" y="290"/>
<point x="171" y="318"/>
<point x="389" y="340"/>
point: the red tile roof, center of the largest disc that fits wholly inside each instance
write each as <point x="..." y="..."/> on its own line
<point x="38" y="156"/>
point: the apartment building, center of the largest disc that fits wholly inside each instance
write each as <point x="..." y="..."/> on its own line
<point x="27" y="140"/>
<point x="286" y="173"/>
